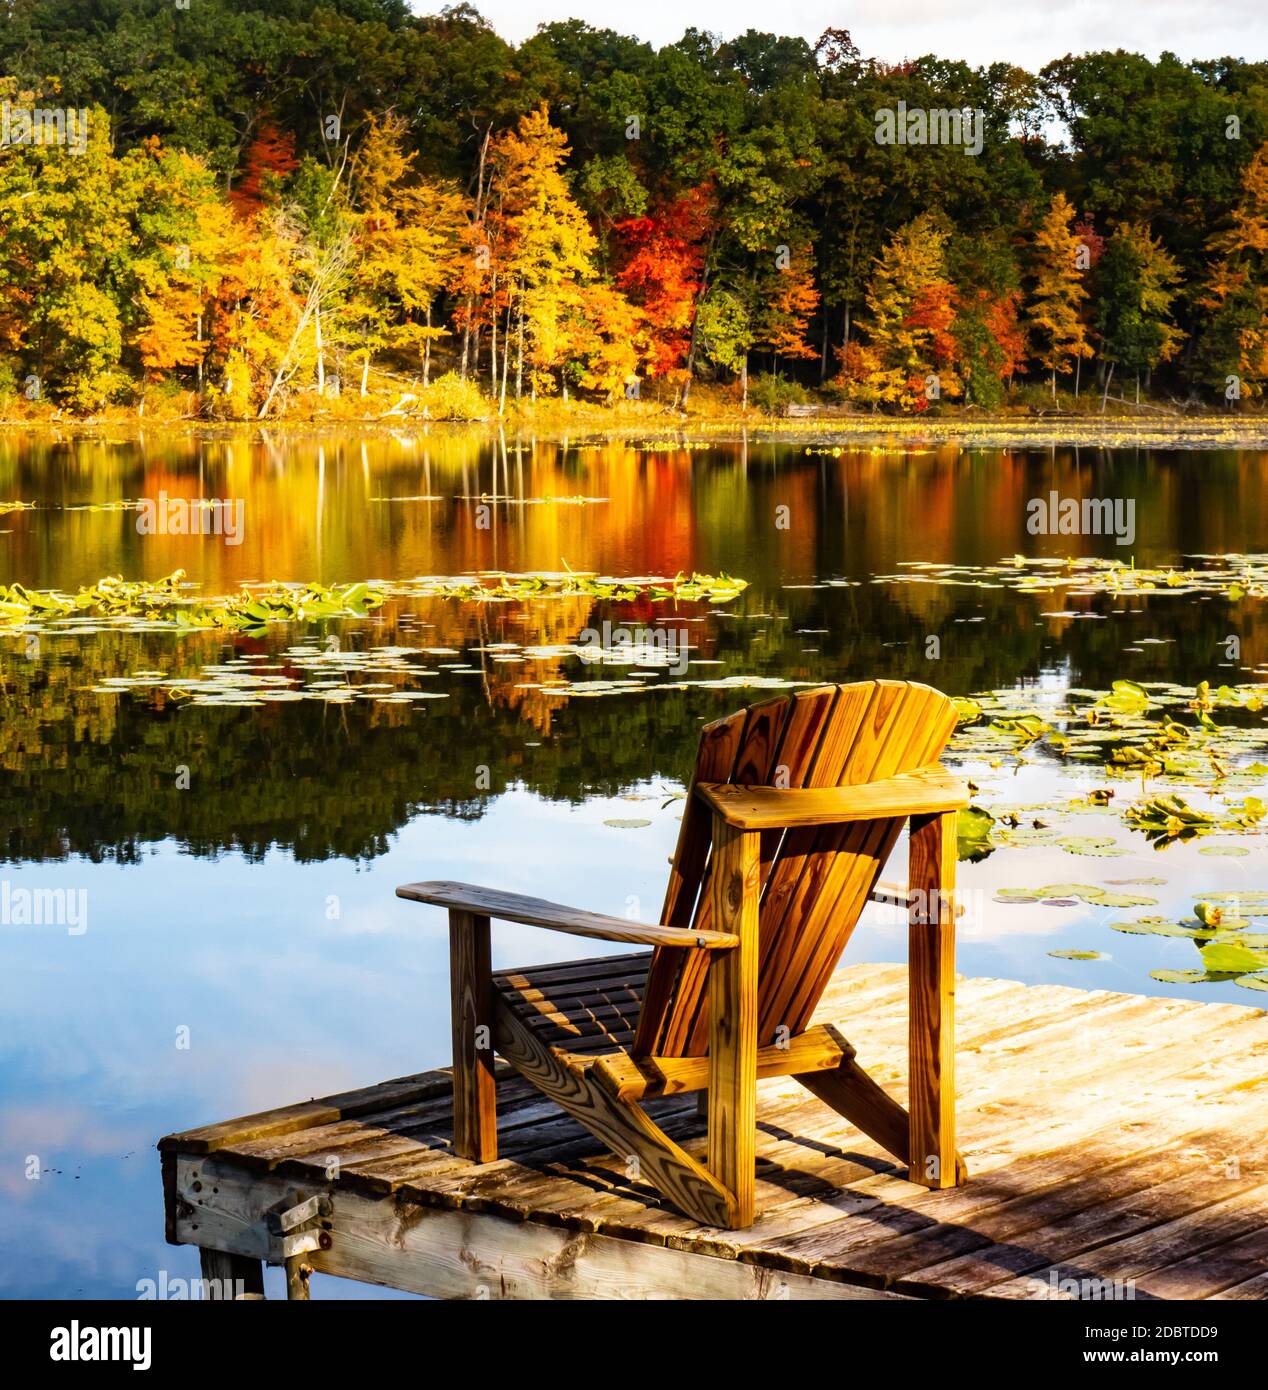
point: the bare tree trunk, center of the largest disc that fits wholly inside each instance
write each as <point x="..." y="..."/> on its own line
<point x="506" y="361"/>
<point x="493" y="337"/>
<point x="427" y="352"/>
<point x="695" y="317"/>
<point x="321" y="356"/>
<point x="1109" y="376"/>
<point x="478" y="220"/>
<point x="519" y="358"/>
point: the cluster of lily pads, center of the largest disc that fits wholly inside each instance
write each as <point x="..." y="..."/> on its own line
<point x="1215" y="741"/>
<point x="304" y="672"/>
<point x="173" y="602"/>
<point x="1218" y="929"/>
<point x="495" y="586"/>
<point x="1234" y="576"/>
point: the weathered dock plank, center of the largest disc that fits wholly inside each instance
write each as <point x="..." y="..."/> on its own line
<point x="1112" y="1141"/>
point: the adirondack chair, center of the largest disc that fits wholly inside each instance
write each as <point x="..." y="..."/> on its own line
<point x="794" y="806"/>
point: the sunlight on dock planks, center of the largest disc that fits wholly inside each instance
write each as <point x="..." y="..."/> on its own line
<point x="1110" y="1137"/>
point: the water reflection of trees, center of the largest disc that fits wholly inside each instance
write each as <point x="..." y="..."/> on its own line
<point x="96" y="774"/>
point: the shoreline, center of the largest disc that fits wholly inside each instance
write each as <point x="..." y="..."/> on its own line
<point x="871" y="432"/>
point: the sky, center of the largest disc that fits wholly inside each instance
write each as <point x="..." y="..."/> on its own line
<point x="1028" y="33"/>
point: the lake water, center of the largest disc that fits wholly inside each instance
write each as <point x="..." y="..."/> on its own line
<point x="237" y="854"/>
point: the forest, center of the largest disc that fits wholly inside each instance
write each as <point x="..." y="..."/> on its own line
<point x="242" y="210"/>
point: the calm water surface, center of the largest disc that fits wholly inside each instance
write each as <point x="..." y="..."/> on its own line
<point x="243" y="945"/>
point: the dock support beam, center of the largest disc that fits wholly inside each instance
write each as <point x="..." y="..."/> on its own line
<point x="231" y="1276"/>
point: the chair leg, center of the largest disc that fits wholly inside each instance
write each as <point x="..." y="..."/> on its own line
<point x="733" y="1018"/>
<point x="931" y="969"/>
<point x="471" y="995"/>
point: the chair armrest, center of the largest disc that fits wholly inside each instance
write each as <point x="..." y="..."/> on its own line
<point x="536" y="912"/>
<point x="926" y="791"/>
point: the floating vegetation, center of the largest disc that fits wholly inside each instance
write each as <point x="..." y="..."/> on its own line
<point x="1079" y="955"/>
<point x="497" y="586"/>
<point x="1218" y="929"/>
<point x="334" y="677"/>
<point x="1068" y="894"/>
<point x="122" y="504"/>
<point x="1167" y="818"/>
<point x="1182" y="739"/>
<point x="973" y="833"/>
<point x="174" y="603"/>
<point x="170" y="602"/>
<point x="1235" y="577"/>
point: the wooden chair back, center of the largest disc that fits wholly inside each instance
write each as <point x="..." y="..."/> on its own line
<point x="816" y="880"/>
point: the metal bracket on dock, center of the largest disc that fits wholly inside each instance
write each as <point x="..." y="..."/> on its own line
<point x="294" y="1227"/>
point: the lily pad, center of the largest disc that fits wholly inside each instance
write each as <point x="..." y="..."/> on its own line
<point x="1229" y="958"/>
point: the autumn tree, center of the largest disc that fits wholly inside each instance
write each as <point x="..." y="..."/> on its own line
<point x="270" y="158"/>
<point x="990" y="340"/>
<point x="1233" y="348"/>
<point x="542" y="249"/>
<point x="661" y="260"/>
<point x="787" y="303"/>
<point x="1053" y="317"/>
<point x="410" y="237"/>
<point x="911" y="350"/>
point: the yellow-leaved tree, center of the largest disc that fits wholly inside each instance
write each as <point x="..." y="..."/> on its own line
<point x="911" y="353"/>
<point x="412" y="235"/>
<point x="1059" y="333"/>
<point x="542" y="251"/>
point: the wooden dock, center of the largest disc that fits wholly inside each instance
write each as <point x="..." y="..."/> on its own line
<point x="1117" y="1146"/>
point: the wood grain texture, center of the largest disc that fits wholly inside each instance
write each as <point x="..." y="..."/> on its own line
<point x="1112" y="1136"/>
<point x="733" y="1017"/>
<point x="931" y="1020"/>
<point x="923" y="790"/>
<point x="471" y="1017"/>
<point x="636" y="1141"/>
<point x="537" y="912"/>
<point x="715" y="760"/>
<point x="468" y="1254"/>
<point x="819" y="1048"/>
<point x="758" y="759"/>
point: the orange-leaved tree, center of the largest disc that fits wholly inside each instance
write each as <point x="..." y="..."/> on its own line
<point x="911" y="350"/>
